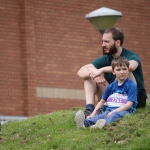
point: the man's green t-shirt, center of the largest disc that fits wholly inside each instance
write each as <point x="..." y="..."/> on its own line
<point x="106" y="60"/>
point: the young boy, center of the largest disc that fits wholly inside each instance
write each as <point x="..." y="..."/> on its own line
<point x="121" y="97"/>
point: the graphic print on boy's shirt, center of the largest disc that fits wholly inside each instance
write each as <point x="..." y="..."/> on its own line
<point x="117" y="100"/>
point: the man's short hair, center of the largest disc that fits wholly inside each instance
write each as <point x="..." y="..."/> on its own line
<point x="117" y="34"/>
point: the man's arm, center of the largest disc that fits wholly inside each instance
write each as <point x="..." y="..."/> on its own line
<point x="84" y="72"/>
<point x="90" y="71"/>
<point x="96" y="74"/>
<point x="133" y="65"/>
<point x="100" y="71"/>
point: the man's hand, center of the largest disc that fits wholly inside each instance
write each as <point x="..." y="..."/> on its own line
<point x="84" y="72"/>
<point x="97" y="76"/>
<point x="95" y="73"/>
<point x="100" y="80"/>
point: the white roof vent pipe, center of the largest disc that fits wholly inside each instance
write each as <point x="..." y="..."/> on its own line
<point x="103" y="18"/>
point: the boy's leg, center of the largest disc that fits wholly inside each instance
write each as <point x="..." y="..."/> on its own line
<point x="116" y="116"/>
<point x="99" y="124"/>
<point x="93" y="120"/>
<point x="79" y="119"/>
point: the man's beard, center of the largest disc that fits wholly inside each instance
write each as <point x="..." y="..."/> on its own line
<point x="113" y="50"/>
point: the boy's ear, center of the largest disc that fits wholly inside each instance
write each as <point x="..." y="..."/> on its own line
<point x="113" y="72"/>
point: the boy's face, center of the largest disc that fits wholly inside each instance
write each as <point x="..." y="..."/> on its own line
<point x="121" y="72"/>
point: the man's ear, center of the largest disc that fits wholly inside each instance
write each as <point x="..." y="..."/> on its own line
<point x="118" y="42"/>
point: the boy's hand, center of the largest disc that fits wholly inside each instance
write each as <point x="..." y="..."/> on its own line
<point x="88" y="117"/>
<point x="109" y="114"/>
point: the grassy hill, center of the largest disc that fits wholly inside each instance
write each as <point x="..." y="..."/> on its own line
<point x="57" y="131"/>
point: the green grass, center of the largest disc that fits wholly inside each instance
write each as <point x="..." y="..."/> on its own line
<point x="57" y="131"/>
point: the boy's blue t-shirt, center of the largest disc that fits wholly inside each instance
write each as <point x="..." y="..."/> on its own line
<point x="116" y="96"/>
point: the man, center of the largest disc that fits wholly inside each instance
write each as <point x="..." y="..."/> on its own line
<point x="98" y="75"/>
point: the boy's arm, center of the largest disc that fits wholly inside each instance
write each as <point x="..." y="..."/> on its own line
<point x="96" y="108"/>
<point x="126" y="106"/>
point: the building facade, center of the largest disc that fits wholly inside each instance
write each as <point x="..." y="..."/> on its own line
<point x="44" y="43"/>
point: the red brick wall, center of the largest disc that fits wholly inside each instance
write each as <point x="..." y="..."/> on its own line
<point x="11" y="82"/>
<point x="44" y="43"/>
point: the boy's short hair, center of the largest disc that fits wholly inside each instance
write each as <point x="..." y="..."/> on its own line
<point x="120" y="61"/>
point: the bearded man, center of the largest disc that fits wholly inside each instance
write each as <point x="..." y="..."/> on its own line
<point x="98" y="74"/>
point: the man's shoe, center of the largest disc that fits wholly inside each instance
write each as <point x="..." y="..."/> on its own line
<point x="87" y="113"/>
<point x="99" y="124"/>
<point x="99" y="111"/>
<point x="79" y="119"/>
